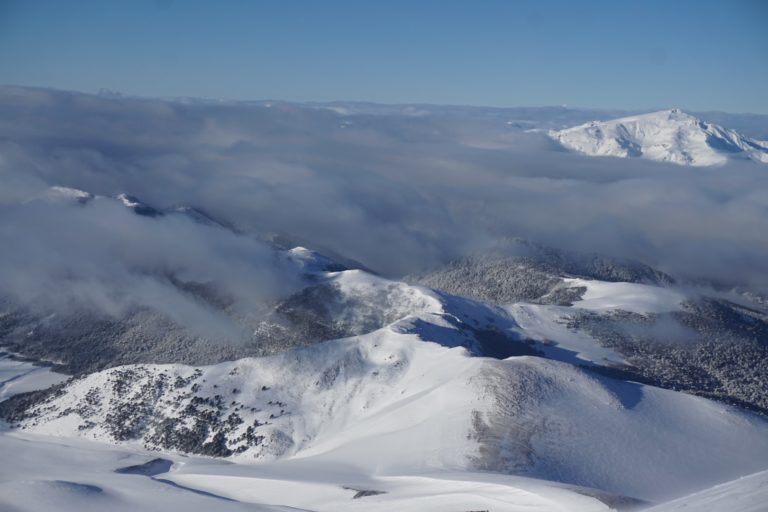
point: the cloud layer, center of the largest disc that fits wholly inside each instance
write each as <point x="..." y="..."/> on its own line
<point x="400" y="190"/>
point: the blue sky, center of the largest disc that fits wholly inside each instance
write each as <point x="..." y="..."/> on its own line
<point x="699" y="55"/>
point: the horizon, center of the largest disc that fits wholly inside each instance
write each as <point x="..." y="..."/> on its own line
<point x="117" y="94"/>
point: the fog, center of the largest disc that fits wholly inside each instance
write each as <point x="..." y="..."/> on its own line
<point x="61" y="256"/>
<point x="399" y="190"/>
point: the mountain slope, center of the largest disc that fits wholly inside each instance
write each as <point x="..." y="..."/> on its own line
<point x="746" y="494"/>
<point x="55" y="474"/>
<point x="200" y="308"/>
<point x="667" y="136"/>
<point x="627" y="318"/>
<point x="389" y="403"/>
<point x="519" y="270"/>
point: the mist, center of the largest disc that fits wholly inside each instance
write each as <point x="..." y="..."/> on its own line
<point x="398" y="190"/>
<point x="63" y="257"/>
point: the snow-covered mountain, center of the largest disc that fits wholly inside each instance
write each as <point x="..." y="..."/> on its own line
<point x="389" y="403"/>
<point x="558" y="377"/>
<point x="668" y="136"/>
<point x="605" y="310"/>
<point x="412" y="390"/>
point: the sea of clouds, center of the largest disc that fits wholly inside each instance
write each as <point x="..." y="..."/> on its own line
<point x="398" y="189"/>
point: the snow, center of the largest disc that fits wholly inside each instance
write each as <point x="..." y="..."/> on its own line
<point x="59" y="475"/>
<point x="404" y="410"/>
<point x="632" y="297"/>
<point x="309" y="261"/>
<point x="19" y="376"/>
<point x="548" y="324"/>
<point x="389" y="404"/>
<point x="395" y="299"/>
<point x="70" y="474"/>
<point x="70" y="192"/>
<point x="626" y="438"/>
<point x="425" y="492"/>
<point x="66" y="195"/>
<point x="337" y="393"/>
<point x="128" y="201"/>
<point x="746" y="494"/>
<point x="667" y="136"/>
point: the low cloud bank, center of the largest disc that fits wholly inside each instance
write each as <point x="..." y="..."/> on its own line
<point x="399" y="191"/>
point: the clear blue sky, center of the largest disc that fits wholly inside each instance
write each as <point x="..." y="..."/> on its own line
<point x="697" y="54"/>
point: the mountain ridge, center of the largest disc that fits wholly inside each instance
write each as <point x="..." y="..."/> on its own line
<point x="666" y="136"/>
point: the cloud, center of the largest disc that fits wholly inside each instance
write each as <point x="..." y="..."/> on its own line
<point x="63" y="256"/>
<point x="399" y="193"/>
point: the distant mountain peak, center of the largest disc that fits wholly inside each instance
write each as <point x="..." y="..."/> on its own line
<point x="138" y="206"/>
<point x="670" y="135"/>
<point x="61" y="194"/>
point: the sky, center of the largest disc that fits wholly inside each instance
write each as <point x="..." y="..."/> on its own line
<point x="698" y="55"/>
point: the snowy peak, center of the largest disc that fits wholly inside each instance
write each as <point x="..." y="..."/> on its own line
<point x="137" y="206"/>
<point x="312" y="262"/>
<point x="666" y="136"/>
<point x="65" y="195"/>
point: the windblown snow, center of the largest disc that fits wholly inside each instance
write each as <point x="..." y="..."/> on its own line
<point x="666" y="136"/>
